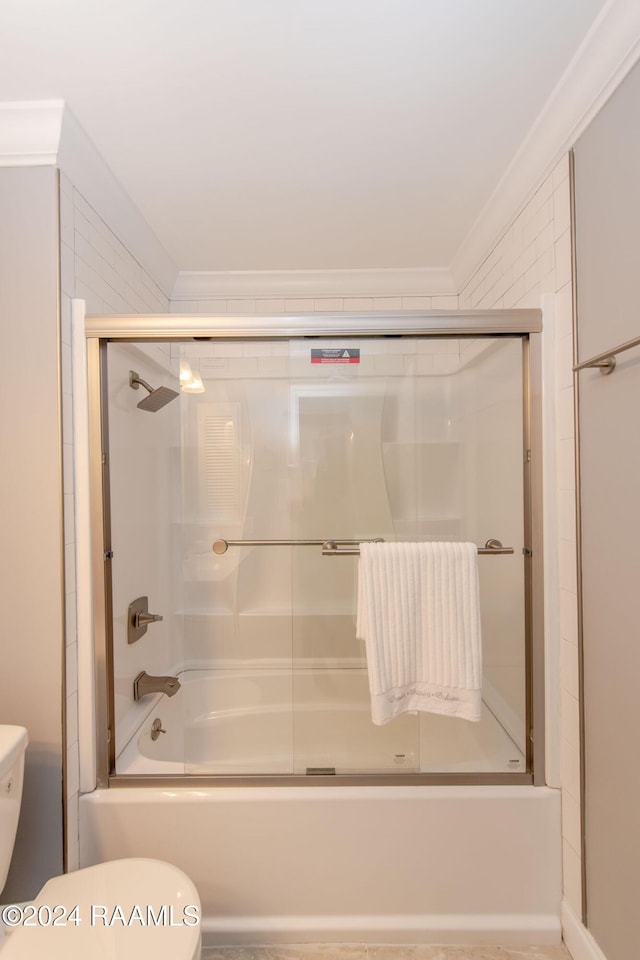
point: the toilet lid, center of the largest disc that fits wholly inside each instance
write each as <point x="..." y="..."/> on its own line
<point x="125" y="909"/>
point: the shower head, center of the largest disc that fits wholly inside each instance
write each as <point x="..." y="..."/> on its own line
<point x="157" y="398"/>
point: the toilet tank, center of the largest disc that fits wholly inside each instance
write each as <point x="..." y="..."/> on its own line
<point x="13" y="743"/>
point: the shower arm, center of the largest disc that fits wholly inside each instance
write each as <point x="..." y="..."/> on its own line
<point x="134" y="380"/>
<point x="333" y="548"/>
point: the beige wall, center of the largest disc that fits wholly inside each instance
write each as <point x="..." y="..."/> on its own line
<point x="31" y="582"/>
<point x="607" y="161"/>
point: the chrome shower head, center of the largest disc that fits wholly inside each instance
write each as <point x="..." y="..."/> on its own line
<point x="157" y="398"/>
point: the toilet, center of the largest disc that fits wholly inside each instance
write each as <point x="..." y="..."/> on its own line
<point x="123" y="908"/>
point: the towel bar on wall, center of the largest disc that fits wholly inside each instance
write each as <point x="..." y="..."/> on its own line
<point x="337" y="548"/>
<point x="607" y="361"/>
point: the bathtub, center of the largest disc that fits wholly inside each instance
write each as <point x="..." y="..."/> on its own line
<point x="433" y="864"/>
<point x="348" y="864"/>
<point x="241" y="721"/>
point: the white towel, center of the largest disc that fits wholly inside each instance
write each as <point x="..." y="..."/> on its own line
<point x="419" y="615"/>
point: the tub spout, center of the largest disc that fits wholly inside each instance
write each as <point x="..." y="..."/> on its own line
<point x="144" y="684"/>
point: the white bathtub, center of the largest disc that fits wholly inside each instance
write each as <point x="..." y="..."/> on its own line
<point x="241" y="721"/>
<point x="348" y="864"/>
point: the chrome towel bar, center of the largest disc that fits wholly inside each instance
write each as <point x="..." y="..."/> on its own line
<point x="334" y="548"/>
<point x="607" y="361"/>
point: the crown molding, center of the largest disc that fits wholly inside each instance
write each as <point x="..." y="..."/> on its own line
<point x="82" y="163"/>
<point x="30" y="132"/>
<point x="606" y="55"/>
<point x="263" y="284"/>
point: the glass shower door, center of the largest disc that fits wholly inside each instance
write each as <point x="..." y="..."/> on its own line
<point x="312" y="440"/>
<point x="404" y="440"/>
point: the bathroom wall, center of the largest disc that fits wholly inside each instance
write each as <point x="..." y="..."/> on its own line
<point x="31" y="574"/>
<point x="531" y="262"/>
<point x="222" y="305"/>
<point x="96" y="266"/>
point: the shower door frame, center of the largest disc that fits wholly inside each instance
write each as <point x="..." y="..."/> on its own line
<point x="525" y="324"/>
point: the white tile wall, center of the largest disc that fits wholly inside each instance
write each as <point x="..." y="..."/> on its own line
<point x="95" y="266"/>
<point x="219" y="306"/>
<point x="531" y="259"/>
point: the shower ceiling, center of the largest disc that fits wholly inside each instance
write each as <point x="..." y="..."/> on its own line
<point x="299" y="134"/>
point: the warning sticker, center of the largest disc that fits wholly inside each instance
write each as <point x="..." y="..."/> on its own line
<point x="336" y="355"/>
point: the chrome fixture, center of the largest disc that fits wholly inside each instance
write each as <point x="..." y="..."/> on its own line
<point x="332" y="548"/>
<point x="606" y="362"/>
<point x="156" y="728"/>
<point x="157" y="398"/>
<point x="144" y="684"/>
<point x="139" y="618"/>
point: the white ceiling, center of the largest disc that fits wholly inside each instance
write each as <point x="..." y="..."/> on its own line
<point x="299" y="134"/>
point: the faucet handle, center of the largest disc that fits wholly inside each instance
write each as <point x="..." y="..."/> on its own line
<point x="139" y="618"/>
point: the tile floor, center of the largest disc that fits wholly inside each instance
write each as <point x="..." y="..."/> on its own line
<point x="357" y="951"/>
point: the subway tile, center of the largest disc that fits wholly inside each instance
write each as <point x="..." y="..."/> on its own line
<point x="273" y="366"/>
<point x="570" y="767"/>
<point x="70" y="567"/>
<point x="445" y="302"/>
<point x="73" y="769"/>
<point x="567" y="565"/>
<point x="563" y="256"/>
<point x="566" y="464"/>
<point x="213" y="308"/>
<point x="567" y="515"/>
<point x="560" y="171"/>
<point x="271" y="305"/>
<point x="569" y="616"/>
<point x="564" y="362"/>
<point x="72" y="717"/>
<point x="417" y="303"/>
<point x="548" y="282"/>
<point x="71" y="615"/>
<point x="544" y="192"/>
<point x="71" y="667"/>
<point x="571" y="831"/>
<point x="243" y="367"/>
<point x="564" y="413"/>
<point x="389" y="364"/>
<point x="525" y="261"/>
<point x="73" y="839"/>
<point x="67" y="468"/>
<point x="572" y="878"/>
<point x="67" y="270"/>
<point x="382" y="304"/>
<point x="183" y="306"/>
<point x="515" y="293"/>
<point x="241" y="306"/>
<point x="358" y="304"/>
<point x="570" y="718"/>
<point x="298" y="306"/>
<point x="65" y="318"/>
<point x="67" y="424"/>
<point x="561" y="210"/>
<point x="328" y="305"/>
<point x="569" y="675"/>
<point x="66" y="218"/>
<point x="69" y="518"/>
<point x="563" y="312"/>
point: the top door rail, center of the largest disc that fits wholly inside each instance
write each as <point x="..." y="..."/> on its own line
<point x="606" y="361"/>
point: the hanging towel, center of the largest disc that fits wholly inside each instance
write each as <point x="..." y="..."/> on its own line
<point x="419" y="615"/>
